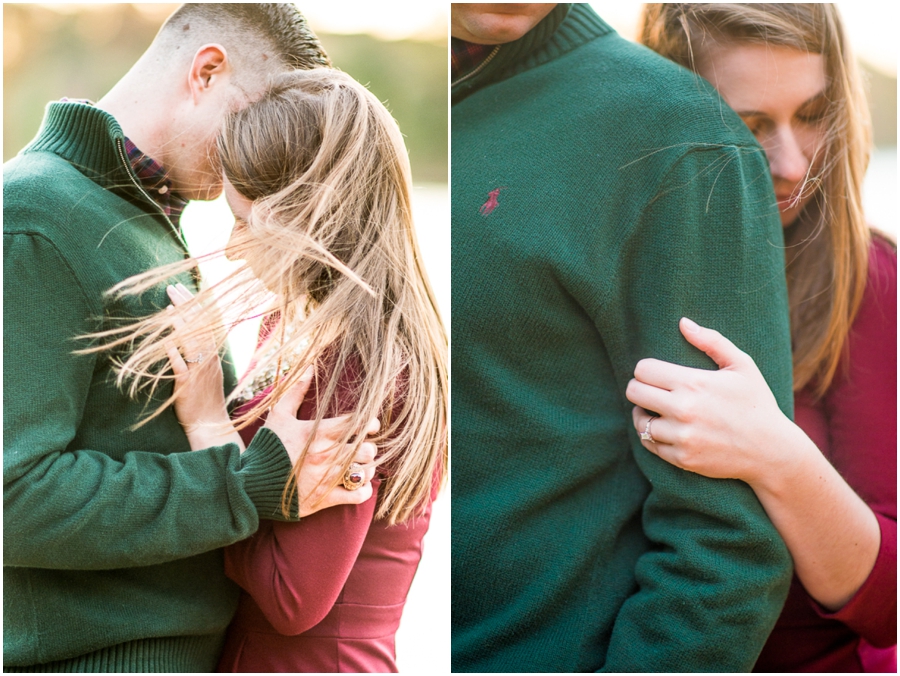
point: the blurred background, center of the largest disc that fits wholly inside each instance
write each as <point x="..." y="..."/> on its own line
<point x="871" y="30"/>
<point x="397" y="49"/>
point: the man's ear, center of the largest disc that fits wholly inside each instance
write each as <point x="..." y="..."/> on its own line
<point x="209" y="66"/>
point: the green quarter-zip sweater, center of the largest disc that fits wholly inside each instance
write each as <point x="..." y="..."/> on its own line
<point x="599" y="194"/>
<point x="110" y="534"/>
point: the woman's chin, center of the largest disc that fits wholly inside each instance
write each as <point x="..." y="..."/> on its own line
<point x="789" y="216"/>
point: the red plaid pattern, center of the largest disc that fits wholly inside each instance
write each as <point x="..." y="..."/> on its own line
<point x="465" y="56"/>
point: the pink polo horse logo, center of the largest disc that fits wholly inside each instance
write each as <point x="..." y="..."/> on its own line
<point x="491" y="203"/>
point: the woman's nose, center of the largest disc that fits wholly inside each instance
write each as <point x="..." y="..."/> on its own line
<point x="232" y="249"/>
<point x="787" y="157"/>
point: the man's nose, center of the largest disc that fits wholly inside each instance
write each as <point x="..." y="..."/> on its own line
<point x="787" y="157"/>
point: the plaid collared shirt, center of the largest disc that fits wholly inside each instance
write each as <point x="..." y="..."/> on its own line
<point x="466" y="56"/>
<point x="153" y="177"/>
<point x="155" y="182"/>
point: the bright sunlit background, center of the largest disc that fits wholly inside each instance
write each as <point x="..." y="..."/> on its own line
<point x="871" y="30"/>
<point x="398" y="49"/>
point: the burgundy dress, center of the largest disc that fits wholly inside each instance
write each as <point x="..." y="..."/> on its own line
<point x="324" y="594"/>
<point x="855" y="427"/>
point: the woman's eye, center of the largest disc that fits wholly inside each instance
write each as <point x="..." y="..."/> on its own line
<point x="812" y="118"/>
<point x="755" y="125"/>
<point x="814" y="111"/>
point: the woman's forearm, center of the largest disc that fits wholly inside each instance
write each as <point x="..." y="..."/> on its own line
<point x="206" y="435"/>
<point x="833" y="536"/>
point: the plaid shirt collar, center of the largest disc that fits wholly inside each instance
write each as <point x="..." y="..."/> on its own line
<point x="154" y="179"/>
<point x="466" y="56"/>
<point x="155" y="182"/>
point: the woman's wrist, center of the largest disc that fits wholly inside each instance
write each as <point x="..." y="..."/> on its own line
<point x="208" y="434"/>
<point x="791" y="457"/>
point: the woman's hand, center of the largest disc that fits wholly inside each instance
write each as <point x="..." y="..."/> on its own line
<point x="721" y="424"/>
<point x="199" y="389"/>
<point x="321" y="468"/>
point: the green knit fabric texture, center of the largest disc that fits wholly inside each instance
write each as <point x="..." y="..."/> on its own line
<point x="599" y="194"/>
<point x="111" y="535"/>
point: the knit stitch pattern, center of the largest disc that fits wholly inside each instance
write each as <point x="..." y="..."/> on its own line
<point x="630" y="196"/>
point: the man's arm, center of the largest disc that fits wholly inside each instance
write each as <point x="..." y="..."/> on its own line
<point x="707" y="246"/>
<point x="86" y="509"/>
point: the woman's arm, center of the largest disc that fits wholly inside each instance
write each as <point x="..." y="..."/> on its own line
<point x="296" y="571"/>
<point x="726" y="424"/>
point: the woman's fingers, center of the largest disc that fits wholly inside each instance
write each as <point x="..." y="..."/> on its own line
<point x="648" y="396"/>
<point x="714" y="344"/>
<point x="334" y="428"/>
<point x="179" y="367"/>
<point x="290" y="402"/>
<point x="665" y="375"/>
<point x="176" y="319"/>
<point x="668" y="376"/>
<point x="193" y="351"/>
<point x="337" y="496"/>
<point x="365" y="456"/>
<point x="662" y="445"/>
<point x="173" y="295"/>
<point x="177" y="297"/>
<point x="660" y="428"/>
<point x="178" y="294"/>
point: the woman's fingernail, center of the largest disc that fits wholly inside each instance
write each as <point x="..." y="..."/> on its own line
<point x="689" y="325"/>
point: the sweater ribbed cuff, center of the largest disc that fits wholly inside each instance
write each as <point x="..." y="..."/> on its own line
<point x="265" y="468"/>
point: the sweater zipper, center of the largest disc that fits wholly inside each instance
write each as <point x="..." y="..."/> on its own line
<point x="479" y="68"/>
<point x="127" y="165"/>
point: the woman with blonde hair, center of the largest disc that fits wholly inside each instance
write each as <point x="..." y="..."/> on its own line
<point x="827" y="482"/>
<point x="318" y="178"/>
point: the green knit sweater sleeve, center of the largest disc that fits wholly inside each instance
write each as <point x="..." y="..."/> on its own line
<point x="706" y="246"/>
<point x="99" y="495"/>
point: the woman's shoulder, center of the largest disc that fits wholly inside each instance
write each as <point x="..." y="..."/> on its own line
<point x="875" y="324"/>
<point x="881" y="280"/>
<point x="883" y="252"/>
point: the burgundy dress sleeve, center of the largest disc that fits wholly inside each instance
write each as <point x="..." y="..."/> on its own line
<point x="861" y="409"/>
<point x="295" y="571"/>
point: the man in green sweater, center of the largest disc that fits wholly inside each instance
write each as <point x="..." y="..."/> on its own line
<point x="111" y="534"/>
<point x="599" y="194"/>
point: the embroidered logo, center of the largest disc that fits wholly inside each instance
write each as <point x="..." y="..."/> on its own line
<point x="491" y="203"/>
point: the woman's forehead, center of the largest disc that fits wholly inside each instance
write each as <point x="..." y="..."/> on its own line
<point x="754" y="77"/>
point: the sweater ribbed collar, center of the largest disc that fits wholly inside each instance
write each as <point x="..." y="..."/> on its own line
<point x="86" y="136"/>
<point x="92" y="140"/>
<point x="566" y="27"/>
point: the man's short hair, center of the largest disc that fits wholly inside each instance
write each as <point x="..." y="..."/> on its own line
<point x="279" y="30"/>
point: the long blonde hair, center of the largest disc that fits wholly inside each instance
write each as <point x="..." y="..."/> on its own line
<point x="325" y="167"/>
<point x="827" y="247"/>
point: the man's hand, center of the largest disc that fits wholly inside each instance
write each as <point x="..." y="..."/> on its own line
<point x="320" y="470"/>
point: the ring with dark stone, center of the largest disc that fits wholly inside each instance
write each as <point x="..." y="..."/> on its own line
<point x="353" y="477"/>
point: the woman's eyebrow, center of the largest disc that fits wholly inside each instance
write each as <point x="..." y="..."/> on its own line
<point x="815" y="98"/>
